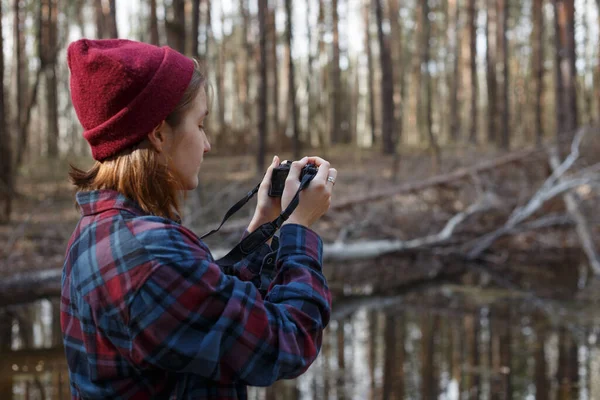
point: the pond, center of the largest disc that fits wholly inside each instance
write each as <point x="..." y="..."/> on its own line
<point x="437" y="344"/>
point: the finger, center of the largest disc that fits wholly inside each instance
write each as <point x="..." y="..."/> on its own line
<point x="323" y="171"/>
<point x="267" y="178"/>
<point x="316" y="160"/>
<point x="296" y="169"/>
<point x="332" y="177"/>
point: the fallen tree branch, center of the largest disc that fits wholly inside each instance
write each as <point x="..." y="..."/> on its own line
<point x="583" y="229"/>
<point x="29" y="286"/>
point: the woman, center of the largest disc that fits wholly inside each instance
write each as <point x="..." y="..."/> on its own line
<point x="145" y="311"/>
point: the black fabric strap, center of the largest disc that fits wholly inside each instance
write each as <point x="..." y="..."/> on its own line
<point x="264" y="232"/>
<point x="236" y="207"/>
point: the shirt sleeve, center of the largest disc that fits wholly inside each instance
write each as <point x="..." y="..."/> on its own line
<point x="190" y="317"/>
<point x="259" y="266"/>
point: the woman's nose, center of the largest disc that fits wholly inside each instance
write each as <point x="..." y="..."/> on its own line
<point x="207" y="146"/>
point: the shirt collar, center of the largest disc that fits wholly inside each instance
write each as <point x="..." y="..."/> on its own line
<point x="97" y="201"/>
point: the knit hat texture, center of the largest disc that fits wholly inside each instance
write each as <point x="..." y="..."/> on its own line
<point x="122" y="89"/>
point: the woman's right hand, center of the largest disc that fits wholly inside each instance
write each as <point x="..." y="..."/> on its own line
<point x="314" y="199"/>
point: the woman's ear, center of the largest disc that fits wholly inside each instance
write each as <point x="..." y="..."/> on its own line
<point x="158" y="137"/>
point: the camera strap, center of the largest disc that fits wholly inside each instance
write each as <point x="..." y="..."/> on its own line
<point x="264" y="232"/>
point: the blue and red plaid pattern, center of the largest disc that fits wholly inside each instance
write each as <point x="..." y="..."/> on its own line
<point x="147" y="314"/>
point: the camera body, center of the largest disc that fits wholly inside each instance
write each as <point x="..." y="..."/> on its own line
<point x="280" y="174"/>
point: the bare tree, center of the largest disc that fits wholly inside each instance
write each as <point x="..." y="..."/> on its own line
<point x="537" y="41"/>
<point x="492" y="79"/>
<point x="388" y="123"/>
<point x="154" y="39"/>
<point x="566" y="99"/>
<point x="291" y="78"/>
<point x="503" y="10"/>
<point x="195" y="28"/>
<point x="176" y="25"/>
<point x="47" y="51"/>
<point x="262" y="91"/>
<point x="454" y="30"/>
<point x="335" y="85"/>
<point x="371" y="90"/>
<point x="472" y="13"/>
<point x="6" y="170"/>
<point x="426" y="57"/>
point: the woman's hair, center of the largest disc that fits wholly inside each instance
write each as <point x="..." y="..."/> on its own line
<point x="138" y="173"/>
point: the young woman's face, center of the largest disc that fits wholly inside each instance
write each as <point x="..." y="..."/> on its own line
<point x="187" y="143"/>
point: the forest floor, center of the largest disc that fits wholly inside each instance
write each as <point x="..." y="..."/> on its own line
<point x="547" y="263"/>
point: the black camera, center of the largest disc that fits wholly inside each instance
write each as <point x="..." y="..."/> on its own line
<point x="280" y="174"/>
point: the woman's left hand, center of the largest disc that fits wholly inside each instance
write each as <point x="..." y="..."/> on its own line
<point x="267" y="208"/>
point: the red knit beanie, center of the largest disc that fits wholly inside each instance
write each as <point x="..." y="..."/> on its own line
<point x="122" y="90"/>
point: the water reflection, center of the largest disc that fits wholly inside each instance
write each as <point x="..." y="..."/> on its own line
<point x="402" y="351"/>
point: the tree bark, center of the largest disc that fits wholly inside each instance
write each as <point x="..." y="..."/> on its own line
<point x="371" y="84"/>
<point x="176" y="26"/>
<point x="566" y="98"/>
<point x="503" y="9"/>
<point x="195" y="28"/>
<point x="6" y="165"/>
<point x="292" y="83"/>
<point x="492" y="80"/>
<point x="111" y="14"/>
<point x="537" y="41"/>
<point x="48" y="20"/>
<point x="335" y="83"/>
<point x="262" y="91"/>
<point x="454" y="29"/>
<point x="274" y="72"/>
<point x="388" y="125"/>
<point x="472" y="14"/>
<point x="154" y="39"/>
<point x="426" y="56"/>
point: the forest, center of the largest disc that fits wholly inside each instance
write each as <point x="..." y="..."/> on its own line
<point x="462" y="240"/>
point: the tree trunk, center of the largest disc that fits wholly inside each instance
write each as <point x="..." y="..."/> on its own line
<point x="6" y="165"/>
<point x="20" y="72"/>
<point x="100" y="22"/>
<point x="243" y="93"/>
<point x="492" y="80"/>
<point x="472" y="12"/>
<point x="111" y="15"/>
<point x="220" y="76"/>
<point x="335" y="83"/>
<point x="274" y="72"/>
<point x="537" y="41"/>
<point x="503" y="9"/>
<point x="154" y="39"/>
<point x="176" y="25"/>
<point x="566" y="99"/>
<point x="597" y="79"/>
<point x="454" y="29"/>
<point x="262" y="91"/>
<point x="195" y="28"/>
<point x="292" y="84"/>
<point x="48" y="19"/>
<point x="426" y="56"/>
<point x="371" y="87"/>
<point x="388" y="123"/>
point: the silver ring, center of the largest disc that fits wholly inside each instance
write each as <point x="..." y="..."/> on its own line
<point x="331" y="179"/>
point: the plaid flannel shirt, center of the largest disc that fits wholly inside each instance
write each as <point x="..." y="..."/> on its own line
<point x="147" y="314"/>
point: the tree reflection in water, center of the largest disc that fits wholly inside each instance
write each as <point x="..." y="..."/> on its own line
<point x="408" y="350"/>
